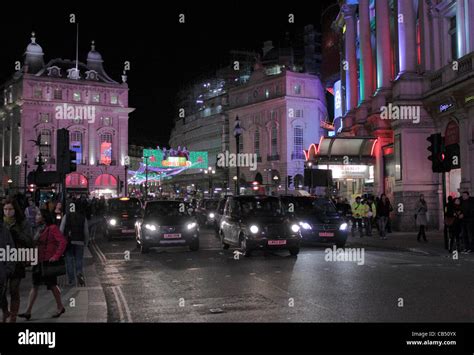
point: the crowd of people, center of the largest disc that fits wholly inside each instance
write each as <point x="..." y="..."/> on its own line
<point x="57" y="233"/>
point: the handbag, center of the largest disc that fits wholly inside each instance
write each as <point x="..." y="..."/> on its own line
<point x="53" y="268"/>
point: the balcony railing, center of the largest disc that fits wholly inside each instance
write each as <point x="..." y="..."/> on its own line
<point x="450" y="73"/>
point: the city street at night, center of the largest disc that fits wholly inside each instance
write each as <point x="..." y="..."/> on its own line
<point x="178" y="285"/>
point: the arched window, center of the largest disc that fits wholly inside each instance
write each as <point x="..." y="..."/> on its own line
<point x="257" y="142"/>
<point x="45" y="141"/>
<point x="106" y="148"/>
<point x="274" y="139"/>
<point x="75" y="143"/>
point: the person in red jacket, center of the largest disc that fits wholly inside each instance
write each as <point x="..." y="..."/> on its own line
<point x="51" y="245"/>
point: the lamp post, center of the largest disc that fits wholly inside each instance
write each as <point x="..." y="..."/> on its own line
<point x="235" y="178"/>
<point x="146" y="177"/>
<point x="10" y="181"/>
<point x="237" y="134"/>
<point x="25" y="177"/>
<point x="311" y="172"/>
<point x="275" y="179"/>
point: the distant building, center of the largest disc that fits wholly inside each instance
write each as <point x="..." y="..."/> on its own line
<point x="41" y="98"/>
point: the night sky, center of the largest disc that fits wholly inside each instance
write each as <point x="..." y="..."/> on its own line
<point x="164" y="54"/>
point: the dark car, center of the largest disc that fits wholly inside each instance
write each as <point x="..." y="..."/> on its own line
<point x="120" y="217"/>
<point x="258" y="222"/>
<point x="167" y="223"/>
<point x="219" y="213"/>
<point x="206" y="211"/>
<point x="318" y="218"/>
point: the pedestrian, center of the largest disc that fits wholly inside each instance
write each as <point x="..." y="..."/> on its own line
<point x="22" y="236"/>
<point x="456" y="226"/>
<point x="358" y="212"/>
<point x="383" y="212"/>
<point x="467" y="206"/>
<point x="76" y="230"/>
<point x="51" y="245"/>
<point x="448" y="220"/>
<point x="58" y="213"/>
<point x="370" y="216"/>
<point x="30" y="213"/>
<point x="421" y="217"/>
<point x="6" y="269"/>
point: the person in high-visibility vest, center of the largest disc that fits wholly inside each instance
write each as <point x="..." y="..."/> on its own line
<point x="359" y="211"/>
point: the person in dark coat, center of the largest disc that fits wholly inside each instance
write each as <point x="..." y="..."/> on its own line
<point x="456" y="227"/>
<point x="22" y="236"/>
<point x="421" y="217"/>
<point x="383" y="213"/>
<point x="6" y="269"/>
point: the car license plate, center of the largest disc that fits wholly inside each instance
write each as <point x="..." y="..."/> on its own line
<point x="277" y="242"/>
<point x="172" y="236"/>
<point x="128" y="230"/>
<point x="326" y="234"/>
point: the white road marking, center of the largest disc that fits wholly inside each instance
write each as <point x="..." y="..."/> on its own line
<point x="119" y="304"/>
<point x="125" y="304"/>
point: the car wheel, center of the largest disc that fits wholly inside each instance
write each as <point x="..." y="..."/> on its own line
<point x="225" y="246"/>
<point x="144" y="249"/>
<point x="243" y="246"/>
<point x="294" y="251"/>
<point x="194" y="246"/>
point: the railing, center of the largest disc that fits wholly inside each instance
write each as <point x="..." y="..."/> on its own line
<point x="453" y="71"/>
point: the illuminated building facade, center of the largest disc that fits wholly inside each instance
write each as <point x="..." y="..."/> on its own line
<point x="41" y="98"/>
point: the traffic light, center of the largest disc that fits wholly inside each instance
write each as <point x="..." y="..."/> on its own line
<point x="289" y="180"/>
<point x="452" y="157"/>
<point x="72" y="161"/>
<point x="437" y="156"/>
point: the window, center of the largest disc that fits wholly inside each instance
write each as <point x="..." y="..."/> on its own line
<point x="453" y="37"/>
<point x="113" y="99"/>
<point x="38" y="93"/>
<point x="298" y="143"/>
<point x="278" y="89"/>
<point x="95" y="97"/>
<point x="273" y="115"/>
<point x="75" y="143"/>
<point x="274" y="139"/>
<point x="255" y="94"/>
<point x="297" y="89"/>
<point x="257" y="142"/>
<point x="45" y="141"/>
<point x="106" y="148"/>
<point x="76" y="96"/>
<point x="298" y="113"/>
<point x="107" y="121"/>
<point x="44" y="117"/>
<point x="58" y="94"/>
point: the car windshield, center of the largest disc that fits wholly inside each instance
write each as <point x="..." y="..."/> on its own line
<point x="131" y="206"/>
<point x="260" y="207"/>
<point x="310" y="206"/>
<point x="211" y="204"/>
<point x="166" y="208"/>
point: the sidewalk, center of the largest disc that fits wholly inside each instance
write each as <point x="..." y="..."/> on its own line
<point x="405" y="241"/>
<point x="90" y="305"/>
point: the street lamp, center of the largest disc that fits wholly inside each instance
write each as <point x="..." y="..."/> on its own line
<point x="311" y="172"/>
<point x="275" y="179"/>
<point x="235" y="178"/>
<point x="237" y="134"/>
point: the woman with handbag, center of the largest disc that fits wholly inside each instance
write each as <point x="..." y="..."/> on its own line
<point x="51" y="246"/>
<point x="22" y="236"/>
<point x="421" y="217"/>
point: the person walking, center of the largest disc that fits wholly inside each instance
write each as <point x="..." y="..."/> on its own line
<point x="370" y="216"/>
<point x="6" y="269"/>
<point x="30" y="213"/>
<point x="22" y="236"/>
<point x="421" y="217"/>
<point x="51" y="245"/>
<point x="76" y="230"/>
<point x="456" y="227"/>
<point x="448" y="221"/>
<point x="383" y="212"/>
<point x="467" y="207"/>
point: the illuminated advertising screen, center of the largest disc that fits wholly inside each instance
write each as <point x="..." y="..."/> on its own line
<point x="337" y="99"/>
<point x="172" y="158"/>
<point x="106" y="153"/>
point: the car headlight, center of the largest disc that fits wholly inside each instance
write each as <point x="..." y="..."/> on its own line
<point x="113" y="222"/>
<point x="150" y="227"/>
<point x="295" y="228"/>
<point x="211" y="215"/>
<point x="343" y="227"/>
<point x="254" y="229"/>
<point x="305" y="225"/>
<point x="191" y="225"/>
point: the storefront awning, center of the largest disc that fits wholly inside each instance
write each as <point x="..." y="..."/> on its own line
<point x="335" y="149"/>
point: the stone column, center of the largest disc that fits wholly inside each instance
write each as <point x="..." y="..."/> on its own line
<point x="384" y="60"/>
<point x="366" y="51"/>
<point x="407" y="51"/>
<point x="350" y="57"/>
